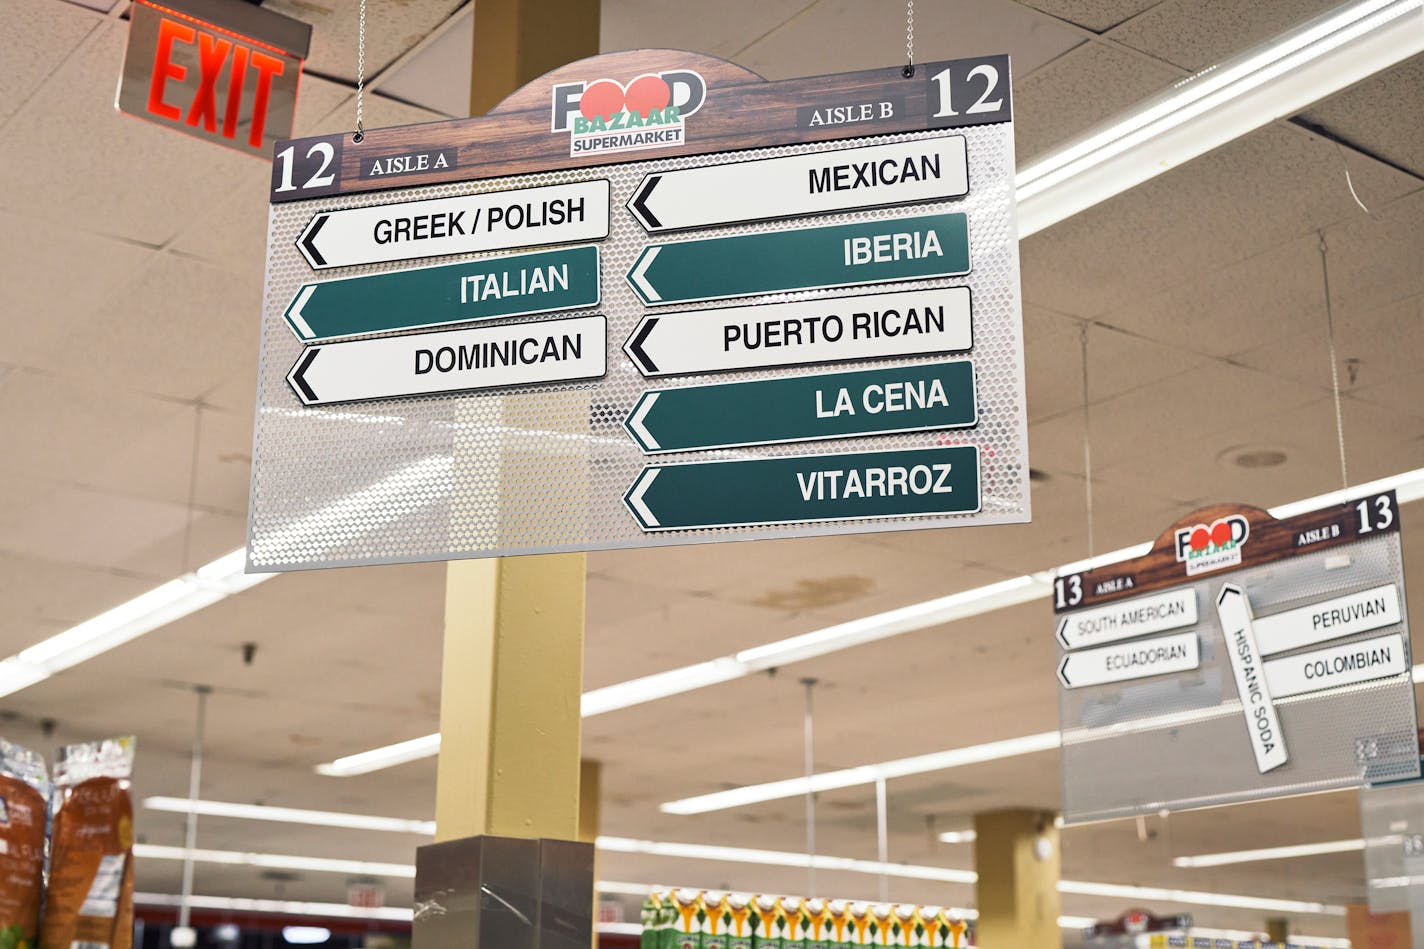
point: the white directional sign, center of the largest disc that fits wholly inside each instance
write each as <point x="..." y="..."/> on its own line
<point x="1160" y="655"/>
<point x="834" y="329"/>
<point x="454" y="361"/>
<point x="1128" y="619"/>
<point x="1262" y="723"/>
<point x="493" y="220"/>
<point x="1330" y="619"/>
<point x="1350" y="664"/>
<point x="794" y="185"/>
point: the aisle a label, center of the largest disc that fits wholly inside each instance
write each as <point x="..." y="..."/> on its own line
<point x="795" y="185"/>
<point x="1350" y="664"/>
<point x="1262" y="723"/>
<point x="1128" y="619"/>
<point x="1138" y="660"/>
<point x="1330" y="619"/>
<point x="452" y="361"/>
<point x="836" y="329"/>
<point x="495" y="220"/>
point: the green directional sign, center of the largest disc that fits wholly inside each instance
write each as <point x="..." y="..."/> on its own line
<point x="515" y="285"/>
<point x="760" y="491"/>
<point x="805" y="408"/>
<point x="841" y="255"/>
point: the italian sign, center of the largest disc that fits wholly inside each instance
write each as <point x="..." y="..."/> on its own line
<point x="651" y="299"/>
<point x="224" y="72"/>
<point x="1245" y="656"/>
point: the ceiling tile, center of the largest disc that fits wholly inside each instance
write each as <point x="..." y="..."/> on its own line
<point x="1095" y="15"/>
<point x="391" y="29"/>
<point x="1195" y="34"/>
<point x="1382" y="115"/>
<point x="724" y="29"/>
<point x="37" y="37"/>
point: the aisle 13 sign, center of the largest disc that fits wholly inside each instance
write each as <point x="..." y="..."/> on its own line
<point x="220" y="70"/>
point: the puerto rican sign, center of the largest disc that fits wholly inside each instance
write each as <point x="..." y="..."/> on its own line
<point x="650" y="299"/>
<point x="1259" y="656"/>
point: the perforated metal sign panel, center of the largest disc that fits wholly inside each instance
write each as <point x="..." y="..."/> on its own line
<point x="1392" y="822"/>
<point x="1245" y="657"/>
<point x="801" y="317"/>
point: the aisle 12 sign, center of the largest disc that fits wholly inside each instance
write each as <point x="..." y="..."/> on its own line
<point x="651" y="299"/>
<point x="1260" y="656"/>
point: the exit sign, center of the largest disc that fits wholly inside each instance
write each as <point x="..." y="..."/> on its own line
<point x="222" y="70"/>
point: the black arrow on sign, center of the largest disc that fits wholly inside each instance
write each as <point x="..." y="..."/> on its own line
<point x="1063" y="671"/>
<point x="639" y="204"/>
<point x="1062" y="629"/>
<point x="298" y="375"/>
<point x="307" y="242"/>
<point x="635" y="347"/>
<point x="1228" y="590"/>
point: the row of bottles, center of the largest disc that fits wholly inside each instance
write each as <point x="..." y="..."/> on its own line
<point x="708" y="919"/>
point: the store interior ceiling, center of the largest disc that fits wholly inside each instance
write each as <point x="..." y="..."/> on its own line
<point x="131" y="268"/>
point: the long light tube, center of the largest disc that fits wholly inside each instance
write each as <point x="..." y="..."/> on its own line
<point x="1268" y="82"/>
<point x="290" y="815"/>
<point x="276" y="861"/>
<point x="1268" y="853"/>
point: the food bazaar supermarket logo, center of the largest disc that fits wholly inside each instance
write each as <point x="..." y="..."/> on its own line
<point x="606" y="116"/>
<point x="1203" y="548"/>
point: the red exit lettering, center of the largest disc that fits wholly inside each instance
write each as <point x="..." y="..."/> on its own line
<point x="216" y="54"/>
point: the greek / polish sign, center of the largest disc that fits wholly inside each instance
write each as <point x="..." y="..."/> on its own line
<point x="496" y="220"/>
<point x="1262" y="724"/>
<point x="805" y="408"/>
<point x="1335" y="618"/>
<point x="519" y="354"/>
<point x="1350" y="664"/>
<point x="650" y="299"/>
<point x="784" y="490"/>
<point x="834" y="329"/>
<point x="1128" y="619"/>
<point x="517" y="285"/>
<point x="841" y="255"/>
<point x="1139" y="659"/>
<point x="796" y="185"/>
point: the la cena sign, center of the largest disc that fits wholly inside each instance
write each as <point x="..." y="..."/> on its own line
<point x="220" y="70"/>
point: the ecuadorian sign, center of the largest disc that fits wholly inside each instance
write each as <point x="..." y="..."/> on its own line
<point x="651" y="299"/>
<point x="1248" y="655"/>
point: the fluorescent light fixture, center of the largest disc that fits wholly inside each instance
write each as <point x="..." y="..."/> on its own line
<point x="278" y="907"/>
<point x="1219" y="104"/>
<point x="387" y="756"/>
<point x="865" y="774"/>
<point x="1197" y="897"/>
<point x="305" y="935"/>
<point x="277" y="861"/>
<point x="1268" y="853"/>
<point x="958" y="837"/>
<point x="290" y="815"/>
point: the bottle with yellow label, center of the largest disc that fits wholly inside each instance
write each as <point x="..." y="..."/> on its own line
<point x="767" y="934"/>
<point x="710" y="920"/>
<point x="797" y="926"/>
<point x="739" y="921"/>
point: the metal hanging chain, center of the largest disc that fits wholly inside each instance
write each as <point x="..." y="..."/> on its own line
<point x="1087" y="441"/>
<point x="361" y="77"/>
<point x="909" y="38"/>
<point x="1334" y="361"/>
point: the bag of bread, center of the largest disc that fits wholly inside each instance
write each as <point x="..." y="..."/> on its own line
<point x="24" y="812"/>
<point x="90" y="900"/>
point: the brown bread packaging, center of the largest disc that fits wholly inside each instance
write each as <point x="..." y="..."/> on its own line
<point x="24" y="809"/>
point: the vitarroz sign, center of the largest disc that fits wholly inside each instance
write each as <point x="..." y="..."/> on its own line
<point x="651" y="299"/>
<point x="1243" y="657"/>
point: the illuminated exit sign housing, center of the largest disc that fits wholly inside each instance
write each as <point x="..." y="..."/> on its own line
<point x="222" y="70"/>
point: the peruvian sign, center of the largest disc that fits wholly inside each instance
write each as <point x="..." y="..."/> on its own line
<point x="650" y="299"/>
<point x="1244" y="656"/>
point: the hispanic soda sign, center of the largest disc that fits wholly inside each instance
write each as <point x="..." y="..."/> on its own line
<point x="1244" y="656"/>
<point x="216" y="69"/>
<point x="651" y="299"/>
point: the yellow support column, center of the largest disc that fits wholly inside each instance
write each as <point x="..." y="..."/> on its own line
<point x="513" y="659"/>
<point x="1016" y="856"/>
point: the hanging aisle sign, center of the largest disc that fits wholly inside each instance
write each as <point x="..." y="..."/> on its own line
<point x="1286" y="668"/>
<point x="650" y="299"/>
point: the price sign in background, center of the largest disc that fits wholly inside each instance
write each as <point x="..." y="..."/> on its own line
<point x="1331" y="657"/>
<point x="551" y="466"/>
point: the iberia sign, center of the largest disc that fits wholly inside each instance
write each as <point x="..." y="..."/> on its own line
<point x="221" y="71"/>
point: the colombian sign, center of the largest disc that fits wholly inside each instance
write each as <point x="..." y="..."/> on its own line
<point x="650" y="299"/>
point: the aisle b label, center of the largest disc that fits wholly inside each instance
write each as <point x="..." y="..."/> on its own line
<point x="917" y="482"/>
<point x="805" y="408"/>
<point x="840" y="255"/>
<point x="516" y="285"/>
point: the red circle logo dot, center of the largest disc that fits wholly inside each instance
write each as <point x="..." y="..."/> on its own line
<point x="1221" y="533"/>
<point x="1200" y="538"/>
<point x="601" y="99"/>
<point x="647" y="93"/>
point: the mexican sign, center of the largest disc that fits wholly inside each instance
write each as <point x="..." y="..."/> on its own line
<point x="221" y="71"/>
<point x="650" y="299"/>
<point x="1244" y="657"/>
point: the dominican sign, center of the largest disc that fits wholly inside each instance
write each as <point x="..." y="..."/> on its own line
<point x="651" y="299"/>
<point x="1259" y="656"/>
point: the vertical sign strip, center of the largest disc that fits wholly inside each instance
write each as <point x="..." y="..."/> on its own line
<point x="1262" y="724"/>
